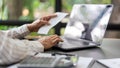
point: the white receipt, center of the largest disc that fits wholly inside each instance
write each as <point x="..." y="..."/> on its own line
<point x="45" y="29"/>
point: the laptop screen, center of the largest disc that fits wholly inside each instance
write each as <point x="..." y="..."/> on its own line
<point x="88" y="22"/>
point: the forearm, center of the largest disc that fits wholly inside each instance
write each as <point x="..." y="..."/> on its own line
<point x="13" y="50"/>
<point x="19" y="32"/>
<point x="33" y="47"/>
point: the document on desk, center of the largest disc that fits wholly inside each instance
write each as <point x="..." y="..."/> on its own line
<point x="110" y="63"/>
<point x="85" y="62"/>
<point x="45" y="29"/>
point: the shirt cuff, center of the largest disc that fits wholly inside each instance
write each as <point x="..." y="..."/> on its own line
<point x="19" y="32"/>
<point x="24" y="29"/>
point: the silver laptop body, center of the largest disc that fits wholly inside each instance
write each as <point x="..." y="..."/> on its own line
<point x="86" y="27"/>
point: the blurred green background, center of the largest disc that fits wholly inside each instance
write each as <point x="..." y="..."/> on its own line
<point x="33" y="9"/>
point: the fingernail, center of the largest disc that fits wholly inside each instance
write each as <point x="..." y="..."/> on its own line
<point x="48" y="23"/>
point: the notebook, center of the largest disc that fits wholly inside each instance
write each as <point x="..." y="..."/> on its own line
<point x="86" y="27"/>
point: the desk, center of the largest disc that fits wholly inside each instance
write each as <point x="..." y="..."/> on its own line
<point x="110" y="48"/>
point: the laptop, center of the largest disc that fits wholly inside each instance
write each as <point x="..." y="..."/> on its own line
<point x="86" y="27"/>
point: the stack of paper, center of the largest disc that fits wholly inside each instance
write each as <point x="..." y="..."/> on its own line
<point x="84" y="62"/>
<point x="45" y="29"/>
<point x="111" y="63"/>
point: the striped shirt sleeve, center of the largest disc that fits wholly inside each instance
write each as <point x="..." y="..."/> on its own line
<point x="19" y="32"/>
<point x="13" y="50"/>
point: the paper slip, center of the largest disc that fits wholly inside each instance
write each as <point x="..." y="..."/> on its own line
<point x="110" y="63"/>
<point x="84" y="62"/>
<point x="45" y="29"/>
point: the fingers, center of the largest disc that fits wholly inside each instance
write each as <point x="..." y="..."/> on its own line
<point x="50" y="41"/>
<point x="43" y="22"/>
<point x="47" y="18"/>
<point x="34" y="27"/>
<point x="52" y="16"/>
<point x="55" y="39"/>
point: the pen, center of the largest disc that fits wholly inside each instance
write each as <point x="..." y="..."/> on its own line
<point x="102" y="64"/>
<point x="56" y="53"/>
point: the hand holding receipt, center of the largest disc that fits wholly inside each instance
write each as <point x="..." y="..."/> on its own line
<point x="45" y="29"/>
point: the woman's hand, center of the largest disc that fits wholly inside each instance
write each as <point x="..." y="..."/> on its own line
<point x="50" y="41"/>
<point x="34" y="27"/>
